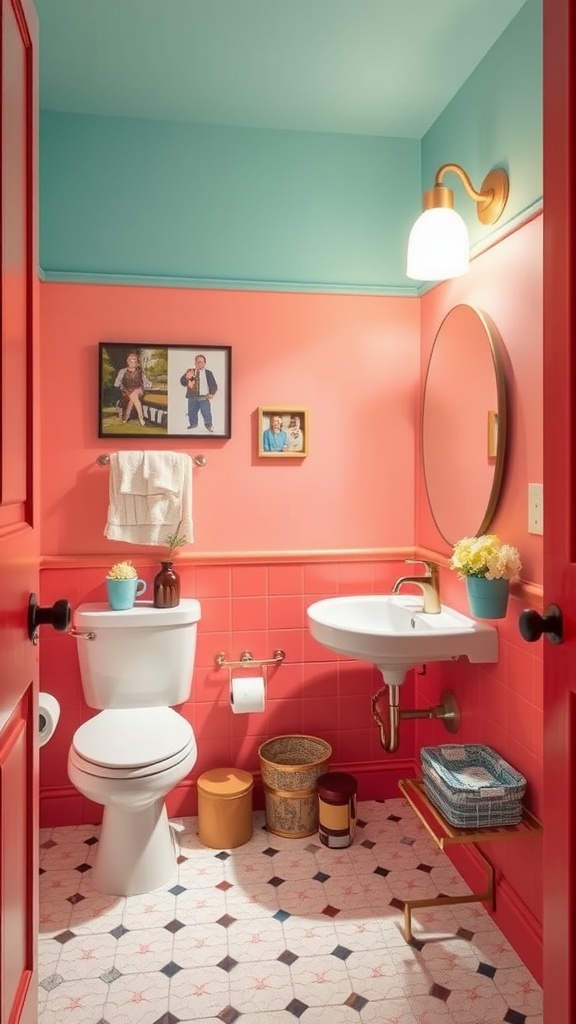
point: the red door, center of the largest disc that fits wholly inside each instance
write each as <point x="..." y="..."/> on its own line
<point x="19" y="543"/>
<point x="560" y="511"/>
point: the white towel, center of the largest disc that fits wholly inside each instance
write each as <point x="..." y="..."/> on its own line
<point x="150" y="494"/>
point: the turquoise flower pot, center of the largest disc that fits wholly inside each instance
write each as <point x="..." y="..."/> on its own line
<point x="488" y="599"/>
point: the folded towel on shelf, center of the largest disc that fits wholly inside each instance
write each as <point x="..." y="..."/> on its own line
<point x="150" y="495"/>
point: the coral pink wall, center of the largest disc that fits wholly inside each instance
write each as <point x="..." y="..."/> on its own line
<point x="353" y="362"/>
<point x="501" y="704"/>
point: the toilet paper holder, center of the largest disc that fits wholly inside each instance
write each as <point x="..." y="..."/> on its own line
<point x="248" y="661"/>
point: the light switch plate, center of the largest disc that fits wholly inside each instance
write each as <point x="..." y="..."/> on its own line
<point x="535" y="508"/>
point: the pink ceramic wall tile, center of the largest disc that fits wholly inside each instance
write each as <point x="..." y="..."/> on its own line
<point x="216" y="614"/>
<point x="319" y="716"/>
<point x="209" y="644"/>
<point x="249" y="613"/>
<point x="320" y="579"/>
<point x="355" y="578"/>
<point x="286" y="612"/>
<point x="285" y="579"/>
<point x="213" y="581"/>
<point x="291" y="641"/>
<point x="249" y="581"/>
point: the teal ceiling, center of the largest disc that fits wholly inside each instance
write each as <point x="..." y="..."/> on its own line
<point x="373" y="67"/>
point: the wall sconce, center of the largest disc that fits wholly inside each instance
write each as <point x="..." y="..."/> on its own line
<point x="439" y="247"/>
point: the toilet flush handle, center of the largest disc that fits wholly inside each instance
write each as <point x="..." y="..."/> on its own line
<point x="82" y="634"/>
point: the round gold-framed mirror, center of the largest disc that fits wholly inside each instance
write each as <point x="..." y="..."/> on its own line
<point x="464" y="423"/>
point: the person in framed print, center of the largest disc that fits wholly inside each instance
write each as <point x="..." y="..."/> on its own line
<point x="131" y="382"/>
<point x="201" y="386"/>
<point x="275" y="438"/>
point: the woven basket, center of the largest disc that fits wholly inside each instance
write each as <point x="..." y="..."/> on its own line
<point x="290" y="766"/>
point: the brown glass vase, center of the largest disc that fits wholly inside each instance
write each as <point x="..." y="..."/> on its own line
<point x="166" y="587"/>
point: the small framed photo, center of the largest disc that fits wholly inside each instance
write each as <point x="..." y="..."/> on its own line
<point x="147" y="390"/>
<point x="282" y="432"/>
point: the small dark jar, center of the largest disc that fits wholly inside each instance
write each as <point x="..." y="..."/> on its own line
<point x="166" y="587"/>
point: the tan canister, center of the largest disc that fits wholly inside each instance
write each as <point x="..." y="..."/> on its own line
<point x="225" y="808"/>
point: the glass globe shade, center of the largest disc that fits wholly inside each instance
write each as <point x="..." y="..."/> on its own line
<point x="438" y="247"/>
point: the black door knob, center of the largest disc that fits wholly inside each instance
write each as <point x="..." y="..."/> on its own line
<point x="57" y="615"/>
<point x="533" y="625"/>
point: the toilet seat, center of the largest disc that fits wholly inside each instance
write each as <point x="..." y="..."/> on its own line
<point x="132" y="742"/>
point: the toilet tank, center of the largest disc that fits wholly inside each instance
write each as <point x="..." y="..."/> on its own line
<point x="139" y="658"/>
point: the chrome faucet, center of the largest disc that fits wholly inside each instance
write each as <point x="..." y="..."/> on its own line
<point x="429" y="584"/>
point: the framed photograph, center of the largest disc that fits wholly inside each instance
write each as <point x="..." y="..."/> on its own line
<point x="282" y="432"/>
<point x="149" y="390"/>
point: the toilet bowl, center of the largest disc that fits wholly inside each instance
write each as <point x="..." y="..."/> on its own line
<point x="134" y="665"/>
<point x="128" y="760"/>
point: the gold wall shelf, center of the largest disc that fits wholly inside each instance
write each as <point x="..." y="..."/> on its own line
<point x="444" y="834"/>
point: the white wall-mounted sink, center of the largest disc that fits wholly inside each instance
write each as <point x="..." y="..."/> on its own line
<point x="393" y="632"/>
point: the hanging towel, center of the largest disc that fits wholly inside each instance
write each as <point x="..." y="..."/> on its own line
<point x="150" y="494"/>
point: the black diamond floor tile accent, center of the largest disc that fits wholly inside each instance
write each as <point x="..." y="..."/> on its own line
<point x="119" y="931"/>
<point x="396" y="903"/>
<point x="424" y="867"/>
<point x="42" y="871"/>
<point x="181" y="859"/>
<point x="168" y="1018"/>
<point x="270" y="851"/>
<point x="368" y="844"/>
<point x="52" y="981"/>
<point x="407" y="841"/>
<point x="77" y="897"/>
<point x="296" y="1008"/>
<point x="224" y="886"/>
<point x="514" y="1017"/>
<point x="82" y="868"/>
<point x="225" y="920"/>
<point x="227" y="964"/>
<point x="174" y="926"/>
<point x="111" y="975"/>
<point x="381" y="871"/>
<point x="394" y="817"/>
<point x="355" y="1001"/>
<point x="486" y="969"/>
<point x="170" y="969"/>
<point x="312" y="848"/>
<point x="228" y="1015"/>
<point x="276" y="881"/>
<point x="463" y="933"/>
<point x="416" y="944"/>
<point x="222" y="856"/>
<point x="360" y="823"/>
<point x="439" y="992"/>
<point x="65" y="936"/>
<point x="341" y="952"/>
<point x="287" y="957"/>
<point x="48" y="844"/>
<point x="91" y="841"/>
<point x="176" y="890"/>
<point x="330" y="911"/>
<point x="281" y="915"/>
<point x="320" y="876"/>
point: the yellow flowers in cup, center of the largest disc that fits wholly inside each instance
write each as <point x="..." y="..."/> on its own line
<point x="486" y="556"/>
<point x="122" y="571"/>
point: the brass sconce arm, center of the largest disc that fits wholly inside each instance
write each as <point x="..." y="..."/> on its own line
<point x="490" y="200"/>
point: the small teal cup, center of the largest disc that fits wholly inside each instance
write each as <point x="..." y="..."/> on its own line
<point x="123" y="593"/>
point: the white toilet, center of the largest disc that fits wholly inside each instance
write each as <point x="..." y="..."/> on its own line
<point x="134" y="666"/>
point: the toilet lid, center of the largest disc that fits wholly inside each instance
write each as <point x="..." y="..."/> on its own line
<point x="132" y="737"/>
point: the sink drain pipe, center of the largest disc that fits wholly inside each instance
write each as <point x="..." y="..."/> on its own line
<point x="446" y="712"/>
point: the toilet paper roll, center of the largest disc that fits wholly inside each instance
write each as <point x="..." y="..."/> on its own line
<point x="48" y="715"/>
<point x="247" y="694"/>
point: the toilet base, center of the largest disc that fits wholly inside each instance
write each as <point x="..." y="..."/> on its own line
<point x="136" y="852"/>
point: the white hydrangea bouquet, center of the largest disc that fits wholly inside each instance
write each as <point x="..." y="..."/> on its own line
<point x="487" y="557"/>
